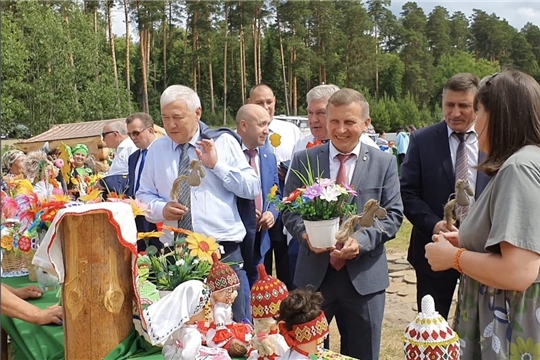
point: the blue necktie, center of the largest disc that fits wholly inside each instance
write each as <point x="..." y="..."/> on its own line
<point x="141" y="166"/>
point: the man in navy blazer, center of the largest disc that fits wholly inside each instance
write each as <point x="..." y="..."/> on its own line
<point x="428" y="179"/>
<point x="140" y="127"/>
<point x="252" y="125"/>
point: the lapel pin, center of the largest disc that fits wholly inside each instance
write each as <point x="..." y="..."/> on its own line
<point x="364" y="158"/>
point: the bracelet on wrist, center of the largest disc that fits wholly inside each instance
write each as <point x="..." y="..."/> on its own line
<point x="456" y="259"/>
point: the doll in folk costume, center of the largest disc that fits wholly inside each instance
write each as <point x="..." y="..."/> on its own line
<point x="303" y="324"/>
<point x="224" y="332"/>
<point x="266" y="297"/>
<point x="42" y="173"/>
<point x="172" y="321"/>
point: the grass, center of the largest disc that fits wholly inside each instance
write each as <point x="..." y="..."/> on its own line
<point x="401" y="242"/>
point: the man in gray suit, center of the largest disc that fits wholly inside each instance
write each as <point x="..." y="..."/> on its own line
<point x="358" y="276"/>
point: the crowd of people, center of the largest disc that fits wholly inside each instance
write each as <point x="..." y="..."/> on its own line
<point x="489" y="138"/>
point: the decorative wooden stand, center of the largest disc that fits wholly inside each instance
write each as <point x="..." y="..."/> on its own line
<point x="97" y="292"/>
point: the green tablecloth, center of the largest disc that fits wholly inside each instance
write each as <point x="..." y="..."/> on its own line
<point x="47" y="342"/>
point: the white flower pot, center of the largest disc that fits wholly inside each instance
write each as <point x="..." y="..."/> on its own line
<point x="322" y="233"/>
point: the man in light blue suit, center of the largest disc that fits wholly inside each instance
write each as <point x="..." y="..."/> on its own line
<point x="252" y="125"/>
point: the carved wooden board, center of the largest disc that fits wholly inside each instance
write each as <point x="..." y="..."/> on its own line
<point x="97" y="292"/>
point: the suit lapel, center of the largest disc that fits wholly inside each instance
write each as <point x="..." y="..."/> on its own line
<point x="359" y="169"/>
<point x="320" y="165"/>
<point x="441" y="145"/>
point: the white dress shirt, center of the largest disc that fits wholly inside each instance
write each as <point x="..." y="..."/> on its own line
<point x="350" y="163"/>
<point x="472" y="152"/>
<point x="290" y="135"/>
<point x="138" y="165"/>
<point x="120" y="162"/>
<point x="213" y="203"/>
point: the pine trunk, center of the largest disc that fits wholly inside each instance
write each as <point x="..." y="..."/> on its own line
<point x="243" y="64"/>
<point x="128" y="43"/>
<point x="225" y="66"/>
<point x="282" y="53"/>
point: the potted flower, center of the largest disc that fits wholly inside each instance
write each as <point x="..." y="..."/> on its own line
<point x="190" y="259"/>
<point x="322" y="204"/>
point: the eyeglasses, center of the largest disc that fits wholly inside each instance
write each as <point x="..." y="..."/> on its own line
<point x="106" y="133"/>
<point x="135" y="134"/>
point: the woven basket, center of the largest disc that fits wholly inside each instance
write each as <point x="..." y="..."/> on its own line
<point x="32" y="270"/>
<point x="14" y="261"/>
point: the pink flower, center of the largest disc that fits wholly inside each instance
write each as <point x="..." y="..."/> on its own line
<point x="325" y="182"/>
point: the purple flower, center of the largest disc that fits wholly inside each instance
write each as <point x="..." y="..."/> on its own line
<point x="313" y="191"/>
<point x="349" y="189"/>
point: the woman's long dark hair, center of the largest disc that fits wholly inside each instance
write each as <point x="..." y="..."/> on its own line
<point x="512" y="99"/>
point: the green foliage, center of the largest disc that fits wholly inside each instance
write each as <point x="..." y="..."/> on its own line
<point x="58" y="65"/>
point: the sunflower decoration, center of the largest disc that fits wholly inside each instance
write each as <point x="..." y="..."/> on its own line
<point x="202" y="246"/>
<point x="191" y="258"/>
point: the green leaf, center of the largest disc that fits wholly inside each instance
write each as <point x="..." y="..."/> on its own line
<point x="151" y="250"/>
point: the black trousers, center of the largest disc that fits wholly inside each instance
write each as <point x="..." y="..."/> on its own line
<point x="440" y="287"/>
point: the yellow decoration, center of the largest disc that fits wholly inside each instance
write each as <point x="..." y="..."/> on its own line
<point x="145" y="235"/>
<point x="201" y="246"/>
<point x="92" y="197"/>
<point x="7" y="243"/>
<point x="273" y="190"/>
<point x="138" y="208"/>
<point x="65" y="155"/>
<point x="275" y="139"/>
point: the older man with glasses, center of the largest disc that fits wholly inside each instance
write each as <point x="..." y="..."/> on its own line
<point x="115" y="136"/>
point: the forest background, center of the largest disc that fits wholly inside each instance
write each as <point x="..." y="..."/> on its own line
<point x="62" y="62"/>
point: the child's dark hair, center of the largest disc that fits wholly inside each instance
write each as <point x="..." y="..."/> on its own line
<point x="300" y="307"/>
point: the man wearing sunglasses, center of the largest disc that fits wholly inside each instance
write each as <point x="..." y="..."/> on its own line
<point x="115" y="136"/>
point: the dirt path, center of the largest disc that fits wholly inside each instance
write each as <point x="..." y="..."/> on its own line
<point x="400" y="308"/>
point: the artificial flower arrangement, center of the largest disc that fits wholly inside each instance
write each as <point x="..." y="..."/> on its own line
<point x="190" y="258"/>
<point x="321" y="203"/>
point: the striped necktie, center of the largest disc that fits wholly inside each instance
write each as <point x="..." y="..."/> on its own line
<point x="184" y="196"/>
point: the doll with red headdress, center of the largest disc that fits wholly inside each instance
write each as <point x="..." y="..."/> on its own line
<point x="303" y="324"/>
<point x="224" y="332"/>
<point x="266" y="297"/>
<point x="172" y="322"/>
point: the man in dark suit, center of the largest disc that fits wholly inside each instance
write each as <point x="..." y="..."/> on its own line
<point x="356" y="280"/>
<point x="428" y="178"/>
<point x="252" y="125"/>
<point x="140" y="128"/>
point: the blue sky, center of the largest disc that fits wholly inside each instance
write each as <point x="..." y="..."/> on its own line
<point x="518" y="13"/>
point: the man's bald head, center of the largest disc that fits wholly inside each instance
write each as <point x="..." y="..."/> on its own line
<point x="250" y="112"/>
<point x="252" y="125"/>
<point x="263" y="95"/>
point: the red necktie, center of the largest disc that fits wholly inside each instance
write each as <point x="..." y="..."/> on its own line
<point x="341" y="178"/>
<point x="252" y="154"/>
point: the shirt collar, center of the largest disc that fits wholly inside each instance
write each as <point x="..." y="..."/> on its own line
<point x="334" y="152"/>
<point x="244" y="148"/>
<point x="471" y="129"/>
<point x="193" y="142"/>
